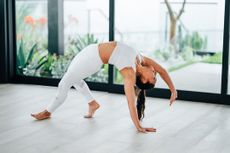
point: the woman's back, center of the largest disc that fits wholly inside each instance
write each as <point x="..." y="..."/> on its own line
<point x="106" y="49"/>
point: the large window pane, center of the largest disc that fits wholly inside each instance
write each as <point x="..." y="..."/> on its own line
<point x="189" y="48"/>
<point x="32" y="37"/>
<point x="86" y="22"/>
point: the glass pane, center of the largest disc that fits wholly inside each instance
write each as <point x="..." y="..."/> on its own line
<point x="32" y="37"/>
<point x="86" y="22"/>
<point x="190" y="47"/>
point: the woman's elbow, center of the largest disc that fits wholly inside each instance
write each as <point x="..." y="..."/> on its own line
<point x="129" y="81"/>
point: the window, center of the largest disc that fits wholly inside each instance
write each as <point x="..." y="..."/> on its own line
<point x="190" y="48"/>
<point x="32" y="37"/>
<point x="85" y="22"/>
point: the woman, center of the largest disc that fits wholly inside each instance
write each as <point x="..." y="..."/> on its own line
<point x="134" y="68"/>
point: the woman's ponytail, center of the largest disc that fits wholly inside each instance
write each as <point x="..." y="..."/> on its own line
<point x="141" y="104"/>
<point x="140" y="93"/>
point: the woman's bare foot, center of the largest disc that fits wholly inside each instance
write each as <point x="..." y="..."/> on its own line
<point x="93" y="106"/>
<point x="42" y="115"/>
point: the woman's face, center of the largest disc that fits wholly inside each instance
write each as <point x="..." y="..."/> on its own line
<point x="148" y="75"/>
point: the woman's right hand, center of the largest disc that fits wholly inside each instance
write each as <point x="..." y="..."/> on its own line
<point x="173" y="97"/>
<point x="145" y="130"/>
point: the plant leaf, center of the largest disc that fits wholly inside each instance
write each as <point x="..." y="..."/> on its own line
<point x="21" y="57"/>
<point x="31" y="54"/>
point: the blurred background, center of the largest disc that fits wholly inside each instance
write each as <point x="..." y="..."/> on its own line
<point x="184" y="36"/>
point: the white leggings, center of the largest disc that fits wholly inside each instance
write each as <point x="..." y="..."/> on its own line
<point x="84" y="64"/>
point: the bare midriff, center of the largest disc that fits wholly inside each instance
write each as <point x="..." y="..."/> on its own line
<point x="105" y="50"/>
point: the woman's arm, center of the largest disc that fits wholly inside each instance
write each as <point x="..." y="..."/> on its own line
<point x="129" y="82"/>
<point x="164" y="75"/>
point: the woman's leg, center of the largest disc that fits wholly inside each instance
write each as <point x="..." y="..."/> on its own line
<point x="84" y="64"/>
<point x="63" y="87"/>
<point x="62" y="91"/>
<point x="83" y="88"/>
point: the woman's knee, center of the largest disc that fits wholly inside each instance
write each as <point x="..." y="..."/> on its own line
<point x="64" y="84"/>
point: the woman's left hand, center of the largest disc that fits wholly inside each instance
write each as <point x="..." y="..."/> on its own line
<point x="173" y="97"/>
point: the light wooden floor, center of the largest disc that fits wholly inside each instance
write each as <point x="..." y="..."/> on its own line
<point x="186" y="127"/>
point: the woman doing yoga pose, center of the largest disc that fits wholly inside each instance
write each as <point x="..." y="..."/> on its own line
<point x="137" y="71"/>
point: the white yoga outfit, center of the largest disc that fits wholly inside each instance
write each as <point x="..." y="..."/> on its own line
<point x="86" y="63"/>
<point x="123" y="56"/>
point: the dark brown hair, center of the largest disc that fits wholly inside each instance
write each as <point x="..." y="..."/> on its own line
<point x="141" y="96"/>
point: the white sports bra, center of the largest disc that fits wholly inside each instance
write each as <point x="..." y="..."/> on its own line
<point x="124" y="56"/>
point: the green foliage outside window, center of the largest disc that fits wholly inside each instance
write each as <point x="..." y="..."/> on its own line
<point x="34" y="62"/>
